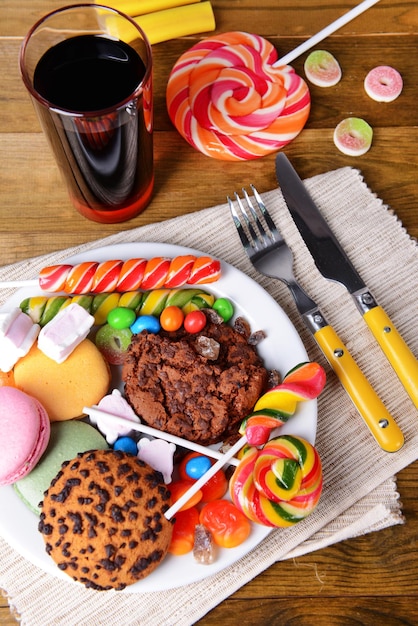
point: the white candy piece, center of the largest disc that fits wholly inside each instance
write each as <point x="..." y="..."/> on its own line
<point x="65" y="332"/>
<point x="17" y="335"/>
<point x="159" y="455"/>
<point x="353" y="136"/>
<point x="383" y="83"/>
<point x="115" y="405"/>
<point x="322" y="69"/>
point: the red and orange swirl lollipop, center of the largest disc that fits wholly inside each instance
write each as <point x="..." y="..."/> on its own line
<point x="230" y="101"/>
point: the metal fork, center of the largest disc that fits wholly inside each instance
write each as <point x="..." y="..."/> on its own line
<point x="272" y="257"/>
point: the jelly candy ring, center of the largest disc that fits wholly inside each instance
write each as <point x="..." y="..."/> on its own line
<point x="280" y="484"/>
<point x="226" y="98"/>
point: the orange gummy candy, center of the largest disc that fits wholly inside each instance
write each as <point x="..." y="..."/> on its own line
<point x="228" y="525"/>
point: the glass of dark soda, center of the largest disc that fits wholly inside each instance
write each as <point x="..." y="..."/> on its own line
<point x="88" y="70"/>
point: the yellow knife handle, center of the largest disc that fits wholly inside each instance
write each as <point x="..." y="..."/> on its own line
<point x="379" y="421"/>
<point x="397" y="352"/>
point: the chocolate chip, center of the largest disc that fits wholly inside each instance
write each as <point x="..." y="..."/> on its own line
<point x="116" y="513"/>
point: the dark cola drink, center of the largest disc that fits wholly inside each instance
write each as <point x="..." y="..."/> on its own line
<point x="99" y="124"/>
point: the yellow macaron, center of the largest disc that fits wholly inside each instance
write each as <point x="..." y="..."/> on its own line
<point x="64" y="388"/>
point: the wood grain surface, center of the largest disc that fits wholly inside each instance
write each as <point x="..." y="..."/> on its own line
<point x="372" y="580"/>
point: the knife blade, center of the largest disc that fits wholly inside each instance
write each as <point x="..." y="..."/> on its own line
<point x="334" y="264"/>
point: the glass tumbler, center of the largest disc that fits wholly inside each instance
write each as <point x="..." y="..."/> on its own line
<point x="88" y="70"/>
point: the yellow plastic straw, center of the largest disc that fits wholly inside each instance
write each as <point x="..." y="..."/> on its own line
<point x="142" y="7"/>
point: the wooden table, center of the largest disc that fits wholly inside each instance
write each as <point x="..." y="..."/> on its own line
<point x="369" y="580"/>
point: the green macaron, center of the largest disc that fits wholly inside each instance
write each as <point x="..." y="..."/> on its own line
<point x="67" y="439"/>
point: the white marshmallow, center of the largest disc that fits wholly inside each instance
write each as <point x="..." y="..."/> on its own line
<point x="17" y="335"/>
<point x="65" y="332"/>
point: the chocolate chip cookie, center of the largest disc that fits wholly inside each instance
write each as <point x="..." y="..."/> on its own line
<point x="197" y="386"/>
<point x="103" y="521"/>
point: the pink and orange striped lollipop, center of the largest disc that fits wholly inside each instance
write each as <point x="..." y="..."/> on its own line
<point x="228" y="100"/>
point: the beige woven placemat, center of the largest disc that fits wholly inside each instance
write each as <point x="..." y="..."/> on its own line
<point x="359" y="494"/>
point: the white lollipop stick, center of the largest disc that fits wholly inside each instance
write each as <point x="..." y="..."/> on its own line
<point x="6" y="284"/>
<point x="325" y="32"/>
<point x="96" y="412"/>
<point x="227" y="457"/>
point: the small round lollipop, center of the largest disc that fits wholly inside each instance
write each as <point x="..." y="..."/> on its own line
<point x="228" y="100"/>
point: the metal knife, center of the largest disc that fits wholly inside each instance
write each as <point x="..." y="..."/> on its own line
<point x="333" y="263"/>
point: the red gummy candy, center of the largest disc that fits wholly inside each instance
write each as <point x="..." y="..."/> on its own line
<point x="179" y="487"/>
<point x="182" y="539"/>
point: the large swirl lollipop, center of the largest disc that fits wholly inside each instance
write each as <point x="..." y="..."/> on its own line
<point x="227" y="99"/>
<point x="279" y="485"/>
<point x="231" y="97"/>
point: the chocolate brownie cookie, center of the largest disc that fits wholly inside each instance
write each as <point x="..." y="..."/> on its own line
<point x="197" y="386"/>
<point x="103" y="521"/>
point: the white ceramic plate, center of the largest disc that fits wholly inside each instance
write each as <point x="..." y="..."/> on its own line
<point x="282" y="349"/>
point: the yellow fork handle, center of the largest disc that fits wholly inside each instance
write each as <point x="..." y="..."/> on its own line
<point x="397" y="352"/>
<point x="379" y="421"/>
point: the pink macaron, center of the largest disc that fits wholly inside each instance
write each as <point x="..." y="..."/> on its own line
<point x="25" y="431"/>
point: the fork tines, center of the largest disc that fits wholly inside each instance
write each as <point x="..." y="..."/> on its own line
<point x="252" y="220"/>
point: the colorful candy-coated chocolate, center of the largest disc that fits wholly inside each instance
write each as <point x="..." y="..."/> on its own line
<point x="303" y="382"/>
<point x="195" y="321"/>
<point x="179" y="487"/>
<point x="126" y="444"/>
<point x="280" y="484"/>
<point x="146" y="322"/>
<point x="228" y="100"/>
<point x="121" y="317"/>
<point x="171" y="318"/>
<point x="115" y="275"/>
<point x="215" y="488"/>
<point x="224" y="308"/>
<point x="41" y="309"/>
<point x="197" y="466"/>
